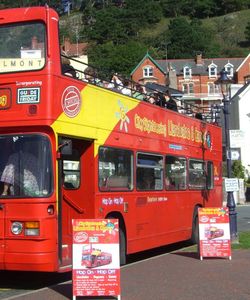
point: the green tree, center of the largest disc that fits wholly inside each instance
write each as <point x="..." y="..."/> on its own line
<point x="143" y="12"/>
<point x="247" y="32"/>
<point x="107" y="25"/>
<point x="119" y="24"/>
<point x="238" y="169"/>
<point x="25" y="3"/>
<point x="109" y="58"/>
<point x="227" y="6"/>
<point x="199" y="8"/>
<point x="189" y="37"/>
<point x="172" y="8"/>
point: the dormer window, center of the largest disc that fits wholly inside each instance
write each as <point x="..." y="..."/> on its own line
<point x="187" y="71"/>
<point x="212" y="70"/>
<point x="148" y="71"/>
<point x="229" y="68"/>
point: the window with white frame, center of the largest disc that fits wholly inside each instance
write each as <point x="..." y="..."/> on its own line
<point x="191" y="88"/>
<point x="187" y="71"/>
<point x="188" y="88"/>
<point x="212" y="70"/>
<point x="148" y="71"/>
<point x="229" y="69"/>
<point x="212" y="88"/>
<point x="185" y="88"/>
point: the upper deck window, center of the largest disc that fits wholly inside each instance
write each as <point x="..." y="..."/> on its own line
<point x="22" y="47"/>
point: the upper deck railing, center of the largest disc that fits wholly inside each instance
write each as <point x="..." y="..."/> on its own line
<point x="23" y="48"/>
<point x="120" y="84"/>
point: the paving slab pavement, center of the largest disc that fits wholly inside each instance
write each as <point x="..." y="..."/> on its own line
<point x="178" y="275"/>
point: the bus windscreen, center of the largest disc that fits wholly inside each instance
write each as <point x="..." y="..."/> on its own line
<point x="25" y="166"/>
<point x="22" y="47"/>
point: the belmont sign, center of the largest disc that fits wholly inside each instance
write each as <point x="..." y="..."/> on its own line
<point x="20" y="64"/>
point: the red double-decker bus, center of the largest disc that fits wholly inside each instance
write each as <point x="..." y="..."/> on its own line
<point x="70" y="149"/>
<point x="92" y="257"/>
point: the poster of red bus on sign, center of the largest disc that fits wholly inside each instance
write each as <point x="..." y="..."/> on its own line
<point x="96" y="261"/>
<point x="214" y="232"/>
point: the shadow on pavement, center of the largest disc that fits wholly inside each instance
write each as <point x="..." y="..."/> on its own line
<point x="193" y="255"/>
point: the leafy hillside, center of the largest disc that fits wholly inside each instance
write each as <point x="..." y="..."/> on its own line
<point x="182" y="37"/>
<point x="228" y="32"/>
<point x="120" y="32"/>
<point x="235" y="23"/>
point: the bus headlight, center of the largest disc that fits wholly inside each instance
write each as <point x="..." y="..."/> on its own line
<point x="16" y="228"/>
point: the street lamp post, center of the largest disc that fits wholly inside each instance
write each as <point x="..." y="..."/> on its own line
<point x="224" y="82"/>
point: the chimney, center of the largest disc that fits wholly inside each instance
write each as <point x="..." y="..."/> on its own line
<point x="34" y="43"/>
<point x="172" y="77"/>
<point x="199" y="61"/>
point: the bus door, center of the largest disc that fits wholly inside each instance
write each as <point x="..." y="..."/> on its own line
<point x="76" y="189"/>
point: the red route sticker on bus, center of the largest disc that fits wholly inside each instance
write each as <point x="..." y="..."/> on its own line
<point x="71" y="101"/>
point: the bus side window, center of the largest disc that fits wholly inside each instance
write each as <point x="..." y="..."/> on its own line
<point x="145" y="179"/>
<point x="71" y="166"/>
<point x="175" y="173"/>
<point x="71" y="174"/>
<point x="149" y="172"/>
<point x="115" y="169"/>
<point x="197" y="177"/>
<point x="210" y="175"/>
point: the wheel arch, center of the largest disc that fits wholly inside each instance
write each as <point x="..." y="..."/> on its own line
<point x="122" y="234"/>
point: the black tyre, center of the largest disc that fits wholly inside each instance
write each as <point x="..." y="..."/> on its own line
<point x="195" y="229"/>
<point x="123" y="253"/>
<point x="122" y="240"/>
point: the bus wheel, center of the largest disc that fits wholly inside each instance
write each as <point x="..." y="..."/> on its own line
<point x="122" y="246"/>
<point x="195" y="229"/>
<point x="122" y="239"/>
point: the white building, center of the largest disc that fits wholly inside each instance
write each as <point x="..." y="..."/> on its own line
<point x="239" y="119"/>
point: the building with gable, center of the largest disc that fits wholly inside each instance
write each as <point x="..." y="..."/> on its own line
<point x="240" y="122"/>
<point x="194" y="77"/>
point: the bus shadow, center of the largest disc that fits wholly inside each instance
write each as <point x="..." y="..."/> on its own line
<point x="64" y="289"/>
<point x="193" y="255"/>
<point x="133" y="258"/>
<point x="31" y="280"/>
